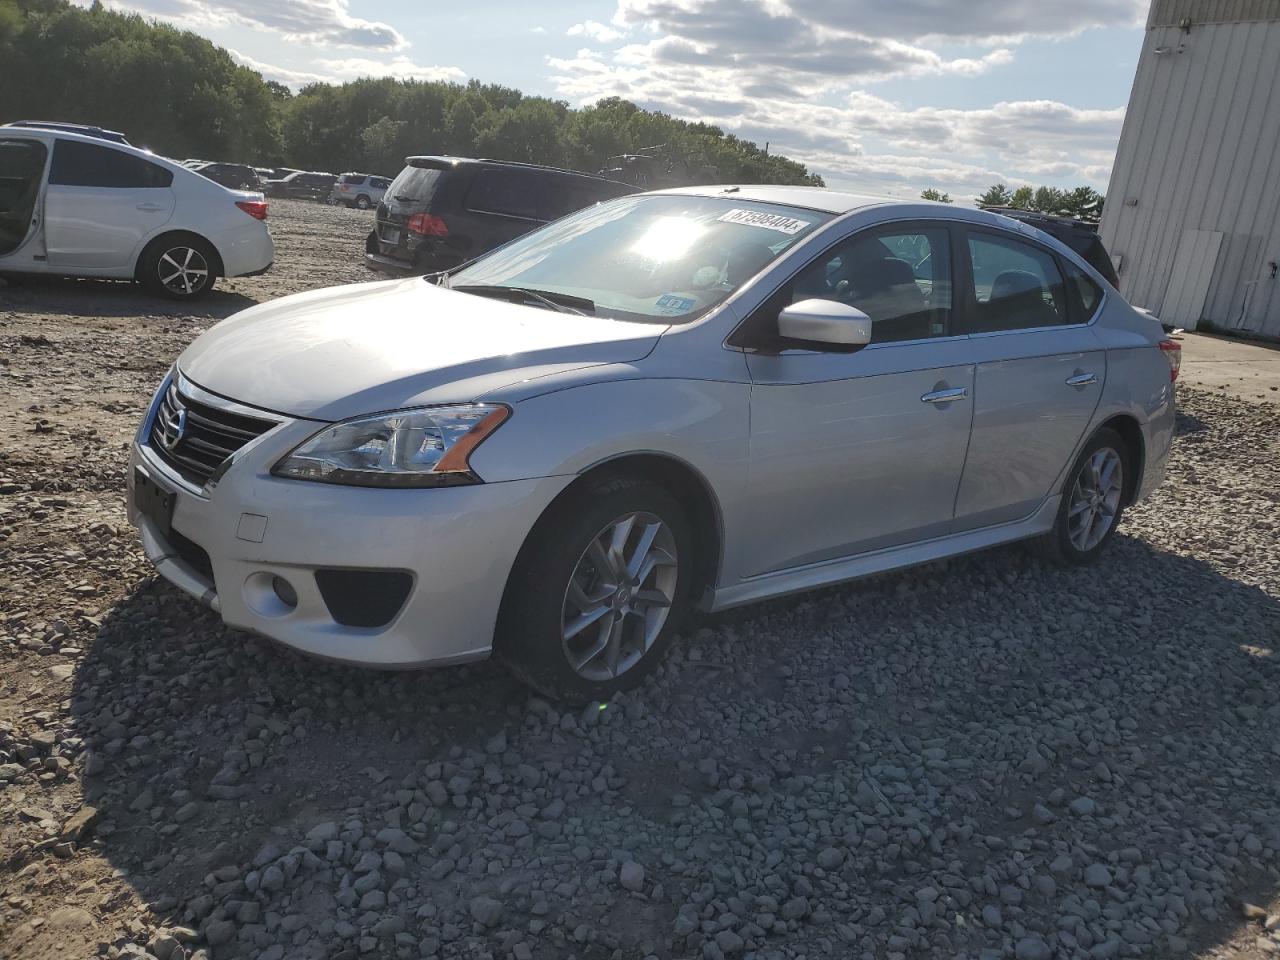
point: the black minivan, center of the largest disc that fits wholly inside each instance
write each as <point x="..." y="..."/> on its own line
<point x="443" y="211"/>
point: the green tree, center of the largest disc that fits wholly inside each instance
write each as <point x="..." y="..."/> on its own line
<point x="1022" y="198"/>
<point x="1047" y="200"/>
<point x="931" y="194"/>
<point x="997" y="195"/>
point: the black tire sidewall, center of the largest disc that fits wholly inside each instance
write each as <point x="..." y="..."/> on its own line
<point x="1061" y="530"/>
<point x="363" y="202"/>
<point x="528" y="638"/>
<point x="151" y="262"/>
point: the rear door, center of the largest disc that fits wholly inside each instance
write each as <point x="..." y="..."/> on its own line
<point x="504" y="203"/>
<point x="102" y="203"/>
<point x="1040" y="372"/>
<point x="22" y="166"/>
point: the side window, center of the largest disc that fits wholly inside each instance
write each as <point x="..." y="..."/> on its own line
<point x="899" y="277"/>
<point x="1016" y="286"/>
<point x="1088" y="294"/>
<point x="513" y="193"/>
<point x="88" y="165"/>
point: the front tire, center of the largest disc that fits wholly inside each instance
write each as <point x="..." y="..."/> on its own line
<point x="180" y="267"/>
<point x="1093" y="501"/>
<point x="363" y="202"/>
<point x="597" y="591"/>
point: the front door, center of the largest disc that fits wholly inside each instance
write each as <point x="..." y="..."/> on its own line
<point x="1040" y="372"/>
<point x="101" y="204"/>
<point x="854" y="452"/>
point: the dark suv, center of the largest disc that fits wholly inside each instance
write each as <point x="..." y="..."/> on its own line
<point x="301" y="186"/>
<point x="237" y="176"/>
<point x="1080" y="235"/>
<point x="443" y="211"/>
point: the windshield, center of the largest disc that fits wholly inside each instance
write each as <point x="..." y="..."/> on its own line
<point x="658" y="257"/>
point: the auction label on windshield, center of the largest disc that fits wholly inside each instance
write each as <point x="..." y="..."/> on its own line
<point x="770" y="221"/>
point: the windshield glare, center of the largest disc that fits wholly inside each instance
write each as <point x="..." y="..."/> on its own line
<point x="665" y="258"/>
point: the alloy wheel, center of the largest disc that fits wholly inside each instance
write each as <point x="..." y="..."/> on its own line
<point x="619" y="596"/>
<point x="1095" y="499"/>
<point x="183" y="270"/>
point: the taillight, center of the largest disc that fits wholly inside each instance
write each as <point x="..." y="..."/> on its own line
<point x="1172" y="351"/>
<point x="254" y="208"/>
<point x="427" y="225"/>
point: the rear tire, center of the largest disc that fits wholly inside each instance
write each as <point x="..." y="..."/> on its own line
<point x="597" y="592"/>
<point x="1093" y="502"/>
<point x="179" y="267"/>
<point x="363" y="202"/>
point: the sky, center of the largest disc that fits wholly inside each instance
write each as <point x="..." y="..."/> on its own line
<point x="881" y="96"/>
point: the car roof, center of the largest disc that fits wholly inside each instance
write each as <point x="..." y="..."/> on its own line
<point x="95" y="132"/>
<point x="517" y="164"/>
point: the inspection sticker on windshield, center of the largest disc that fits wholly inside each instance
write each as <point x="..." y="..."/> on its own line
<point x="770" y="221"/>
<point x="669" y="303"/>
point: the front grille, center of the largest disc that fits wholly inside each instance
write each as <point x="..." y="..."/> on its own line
<point x="195" y="438"/>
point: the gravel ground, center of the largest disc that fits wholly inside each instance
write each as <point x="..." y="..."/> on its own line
<point x="984" y="758"/>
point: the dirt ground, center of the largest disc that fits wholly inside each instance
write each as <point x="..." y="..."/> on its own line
<point x="985" y="758"/>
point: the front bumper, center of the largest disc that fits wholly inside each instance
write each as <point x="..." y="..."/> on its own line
<point x="458" y="544"/>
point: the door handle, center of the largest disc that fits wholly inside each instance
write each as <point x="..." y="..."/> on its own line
<point x="149" y="207"/>
<point x="946" y="396"/>
<point x="1082" y="380"/>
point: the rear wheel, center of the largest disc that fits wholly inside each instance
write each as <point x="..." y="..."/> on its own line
<point x="363" y="202"/>
<point x="1092" y="502"/>
<point x="597" y="592"/>
<point x="179" y="267"/>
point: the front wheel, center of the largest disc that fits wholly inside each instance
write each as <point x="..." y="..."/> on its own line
<point x="180" y="268"/>
<point x="363" y="202"/>
<point x="597" y="592"/>
<point x="1092" y="502"/>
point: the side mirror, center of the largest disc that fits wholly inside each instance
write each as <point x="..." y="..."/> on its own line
<point x="825" y="323"/>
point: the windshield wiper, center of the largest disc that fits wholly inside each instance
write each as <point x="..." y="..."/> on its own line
<point x="560" y="302"/>
<point x="403" y="198"/>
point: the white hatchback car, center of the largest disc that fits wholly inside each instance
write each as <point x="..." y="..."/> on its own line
<point x="706" y="396"/>
<point x="72" y="205"/>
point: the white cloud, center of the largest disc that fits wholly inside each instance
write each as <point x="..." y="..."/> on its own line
<point x="402" y="68"/>
<point x="796" y="73"/>
<point x="326" y="22"/>
<point x="594" y="30"/>
<point x="269" y="71"/>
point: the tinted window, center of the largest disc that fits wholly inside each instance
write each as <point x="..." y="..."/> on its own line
<point x="87" y="165"/>
<point x="1089" y="294"/>
<point x="416" y="184"/>
<point x="1015" y="285"/>
<point x="352" y="178"/>
<point x="512" y="193"/>
<point x="900" y="278"/>
<point x="379" y="182"/>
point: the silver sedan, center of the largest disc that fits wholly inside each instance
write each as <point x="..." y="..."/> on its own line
<point x="698" y="397"/>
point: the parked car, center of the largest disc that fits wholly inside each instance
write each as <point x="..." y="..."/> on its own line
<point x="73" y="205"/>
<point x="301" y="186"/>
<point x="237" y="176"/>
<point x="275" y="173"/>
<point x="1080" y="235"/>
<point x="442" y="211"/>
<point x="703" y="396"/>
<point x="362" y="190"/>
<point x="83" y="129"/>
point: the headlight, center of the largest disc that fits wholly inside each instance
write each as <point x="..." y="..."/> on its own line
<point x="427" y="447"/>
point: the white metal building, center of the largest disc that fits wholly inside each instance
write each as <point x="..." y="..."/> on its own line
<point x="1192" y="216"/>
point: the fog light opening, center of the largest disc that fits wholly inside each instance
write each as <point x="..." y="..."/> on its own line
<point x="284" y="592"/>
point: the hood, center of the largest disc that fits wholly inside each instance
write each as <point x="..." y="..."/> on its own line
<point x="346" y="351"/>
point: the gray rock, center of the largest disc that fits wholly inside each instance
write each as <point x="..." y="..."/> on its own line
<point x="485" y="911"/>
<point x="1096" y="875"/>
<point x="631" y="876"/>
<point x="1031" y="948"/>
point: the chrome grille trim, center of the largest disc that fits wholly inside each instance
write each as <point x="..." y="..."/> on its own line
<point x="194" y="432"/>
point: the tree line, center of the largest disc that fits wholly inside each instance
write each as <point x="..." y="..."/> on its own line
<point x="1082" y="202"/>
<point x="182" y="96"/>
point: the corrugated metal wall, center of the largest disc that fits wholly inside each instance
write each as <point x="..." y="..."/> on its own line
<point x="1200" y="150"/>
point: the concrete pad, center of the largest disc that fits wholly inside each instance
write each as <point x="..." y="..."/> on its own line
<point x="1244" y="369"/>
